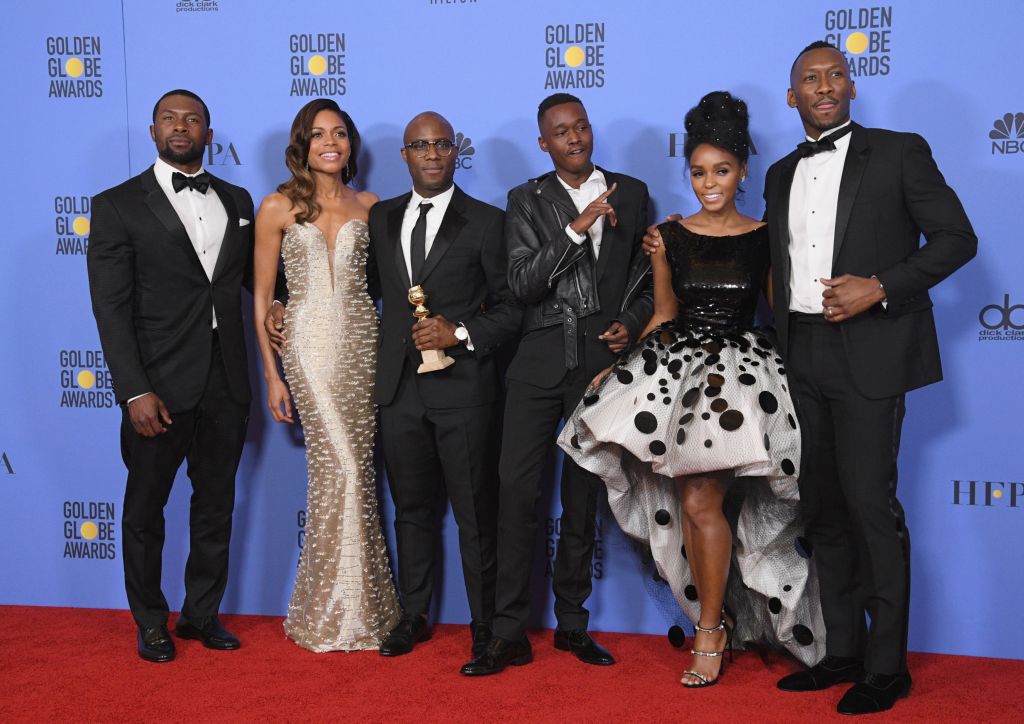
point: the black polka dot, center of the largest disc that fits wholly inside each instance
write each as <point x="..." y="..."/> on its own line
<point x="691" y="396"/>
<point x="663" y="390"/>
<point x="720" y="367"/>
<point x="650" y="396"/>
<point x="687" y="358"/>
<point x="624" y="376"/>
<point x="716" y="380"/>
<point x="707" y="443"/>
<point x="712" y="391"/>
<point x="767" y="442"/>
<point x="667" y="400"/>
<point x="676" y="637"/>
<point x="657" y="447"/>
<point x="683" y="551"/>
<point x="768" y="402"/>
<point x="645" y="422"/>
<point x="803" y="635"/>
<point x="782" y="370"/>
<point x="792" y="422"/>
<point x="705" y="415"/>
<point x="778" y="360"/>
<point x="719" y="405"/>
<point x="675" y="365"/>
<point x="747" y="378"/>
<point x="662" y="382"/>
<point x="680" y="436"/>
<point x="774" y="605"/>
<point x="747" y="360"/>
<point x="787" y="588"/>
<point x="755" y="363"/>
<point x="787" y="466"/>
<point x="686" y="419"/>
<point x="764" y="343"/>
<point x="662" y="517"/>
<point x="803" y="547"/>
<point x="731" y="420"/>
<point x="590" y="400"/>
<point x="742" y="368"/>
<point x="690" y="592"/>
<point x="650" y="361"/>
<point x="575" y="441"/>
<point x="711" y="360"/>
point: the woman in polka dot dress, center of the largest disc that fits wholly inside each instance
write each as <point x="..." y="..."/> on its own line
<point x="694" y="432"/>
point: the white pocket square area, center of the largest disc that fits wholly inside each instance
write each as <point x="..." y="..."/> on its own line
<point x="243" y="222"/>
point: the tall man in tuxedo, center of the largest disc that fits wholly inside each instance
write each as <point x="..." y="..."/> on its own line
<point x="167" y="255"/>
<point x="439" y="428"/>
<point x="846" y="211"/>
<point x="573" y="239"/>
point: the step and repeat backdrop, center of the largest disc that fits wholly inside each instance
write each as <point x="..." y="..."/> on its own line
<point x="81" y="80"/>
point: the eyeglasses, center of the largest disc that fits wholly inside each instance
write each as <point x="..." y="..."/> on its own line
<point x="443" y="146"/>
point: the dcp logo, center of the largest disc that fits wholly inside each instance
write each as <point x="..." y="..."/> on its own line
<point x="1006" y="134"/>
<point x="1001" y="321"/>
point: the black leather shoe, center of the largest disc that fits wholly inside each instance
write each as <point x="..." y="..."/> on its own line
<point x="874" y="693"/>
<point x="409" y="631"/>
<point x="500" y="654"/>
<point x="155" y="644"/>
<point x="481" y="637"/>
<point x="209" y="631"/>
<point x="587" y="650"/>
<point x="830" y="671"/>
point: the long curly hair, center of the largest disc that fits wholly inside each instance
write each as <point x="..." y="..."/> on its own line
<point x="301" y="187"/>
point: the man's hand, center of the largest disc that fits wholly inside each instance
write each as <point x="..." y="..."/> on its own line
<point x="149" y="415"/>
<point x="652" y="238"/>
<point x="617" y="337"/>
<point x="595" y="210"/>
<point x="848" y="295"/>
<point x="274" y="323"/>
<point x="279" y="401"/>
<point x="434" y="333"/>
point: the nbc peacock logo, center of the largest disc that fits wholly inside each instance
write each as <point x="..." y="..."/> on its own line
<point x="464" y="145"/>
<point x="1007" y="134"/>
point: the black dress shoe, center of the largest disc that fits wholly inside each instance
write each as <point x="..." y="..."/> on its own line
<point x="874" y="693"/>
<point x="830" y="671"/>
<point x="481" y="637"/>
<point x="587" y="650"/>
<point x="209" y="631"/>
<point x="409" y="631"/>
<point x="155" y="644"/>
<point x="500" y="653"/>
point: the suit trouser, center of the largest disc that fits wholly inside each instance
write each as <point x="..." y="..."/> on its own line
<point x="427" y="450"/>
<point x="861" y="545"/>
<point x="210" y="437"/>
<point x="531" y="420"/>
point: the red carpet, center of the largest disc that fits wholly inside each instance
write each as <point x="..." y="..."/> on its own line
<point x="75" y="665"/>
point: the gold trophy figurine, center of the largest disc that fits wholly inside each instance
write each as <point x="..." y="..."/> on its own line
<point x="433" y="359"/>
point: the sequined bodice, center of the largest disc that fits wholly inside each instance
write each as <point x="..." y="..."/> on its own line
<point x="308" y="272"/>
<point x="717" y="279"/>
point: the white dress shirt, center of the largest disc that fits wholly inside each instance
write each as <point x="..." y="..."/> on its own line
<point x="434" y="217"/>
<point x="813" y="199"/>
<point x="589" y="190"/>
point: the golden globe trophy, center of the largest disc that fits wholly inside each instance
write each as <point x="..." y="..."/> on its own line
<point x="433" y="359"/>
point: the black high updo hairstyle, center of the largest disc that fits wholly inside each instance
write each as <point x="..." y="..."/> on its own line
<point x="721" y="120"/>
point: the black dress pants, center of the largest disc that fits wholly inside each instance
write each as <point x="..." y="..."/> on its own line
<point x="531" y="420"/>
<point x="860" y="543"/>
<point x="210" y="437"/>
<point x="428" y="450"/>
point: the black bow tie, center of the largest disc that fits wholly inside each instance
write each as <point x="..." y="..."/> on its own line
<point x="825" y="143"/>
<point x="200" y="182"/>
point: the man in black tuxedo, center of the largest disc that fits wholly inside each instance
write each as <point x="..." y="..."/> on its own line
<point x="167" y="255"/>
<point x="846" y="211"/>
<point x="439" y="428"/>
<point x="573" y="239"/>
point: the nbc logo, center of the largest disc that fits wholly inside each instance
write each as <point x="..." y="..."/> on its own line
<point x="464" y="144"/>
<point x="1006" y="134"/>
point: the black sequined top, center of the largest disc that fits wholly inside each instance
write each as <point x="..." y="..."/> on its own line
<point x="717" y="279"/>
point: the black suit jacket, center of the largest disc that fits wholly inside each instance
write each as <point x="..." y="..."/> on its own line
<point x="465" y="281"/>
<point x="891" y="192"/>
<point x="151" y="297"/>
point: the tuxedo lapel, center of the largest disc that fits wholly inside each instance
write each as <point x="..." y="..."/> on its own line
<point x="849" y="184"/>
<point x="447" y="233"/>
<point x="157" y="202"/>
<point x="394" y="224"/>
<point x="231" y="230"/>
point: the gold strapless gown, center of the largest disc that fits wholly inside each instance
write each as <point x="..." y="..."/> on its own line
<point x="344" y="598"/>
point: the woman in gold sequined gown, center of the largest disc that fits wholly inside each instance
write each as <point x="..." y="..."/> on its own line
<point x="344" y="598"/>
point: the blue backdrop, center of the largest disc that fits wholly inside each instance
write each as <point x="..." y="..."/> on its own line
<point x="81" y="81"/>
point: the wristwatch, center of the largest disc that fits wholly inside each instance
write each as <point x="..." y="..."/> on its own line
<point x="461" y="333"/>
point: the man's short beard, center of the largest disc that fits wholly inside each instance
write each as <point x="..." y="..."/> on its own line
<point x="183" y="158"/>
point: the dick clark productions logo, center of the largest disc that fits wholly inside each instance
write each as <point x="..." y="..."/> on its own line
<point x="1001" y="322"/>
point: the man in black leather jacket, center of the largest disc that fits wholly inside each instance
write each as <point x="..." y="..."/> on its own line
<point x="575" y="262"/>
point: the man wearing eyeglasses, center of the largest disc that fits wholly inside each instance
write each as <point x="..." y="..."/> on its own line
<point x="439" y="428"/>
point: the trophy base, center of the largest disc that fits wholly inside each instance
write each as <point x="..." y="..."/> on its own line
<point x="433" y="360"/>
